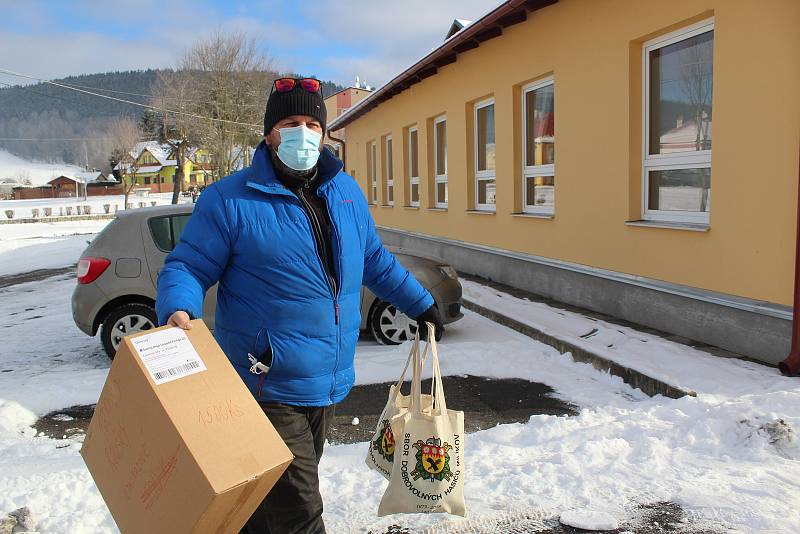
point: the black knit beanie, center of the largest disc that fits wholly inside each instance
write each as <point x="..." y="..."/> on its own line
<point x="298" y="101"/>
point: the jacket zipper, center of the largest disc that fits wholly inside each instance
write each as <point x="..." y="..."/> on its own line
<point x="332" y="282"/>
<point x="316" y="227"/>
<point x="336" y="297"/>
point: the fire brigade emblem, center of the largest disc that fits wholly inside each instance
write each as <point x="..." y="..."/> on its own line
<point x="384" y="443"/>
<point x="433" y="460"/>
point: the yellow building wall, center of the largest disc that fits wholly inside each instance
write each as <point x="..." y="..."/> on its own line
<point x="593" y="50"/>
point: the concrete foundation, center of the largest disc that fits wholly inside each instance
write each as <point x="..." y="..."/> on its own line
<point x="755" y="329"/>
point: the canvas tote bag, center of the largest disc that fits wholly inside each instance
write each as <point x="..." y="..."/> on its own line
<point x="381" y="446"/>
<point x="428" y="468"/>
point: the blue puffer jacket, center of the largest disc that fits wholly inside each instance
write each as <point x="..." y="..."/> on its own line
<point x="252" y="235"/>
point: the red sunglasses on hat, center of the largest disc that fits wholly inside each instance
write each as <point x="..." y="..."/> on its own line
<point x="284" y="85"/>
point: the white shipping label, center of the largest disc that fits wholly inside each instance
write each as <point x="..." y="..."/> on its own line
<point x="168" y="355"/>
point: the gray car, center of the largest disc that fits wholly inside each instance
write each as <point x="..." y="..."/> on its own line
<point x="118" y="271"/>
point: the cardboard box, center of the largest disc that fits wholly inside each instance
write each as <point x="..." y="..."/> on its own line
<point x="177" y="442"/>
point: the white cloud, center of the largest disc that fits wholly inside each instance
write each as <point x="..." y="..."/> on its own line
<point x="58" y="55"/>
<point x="334" y="40"/>
<point x="387" y="37"/>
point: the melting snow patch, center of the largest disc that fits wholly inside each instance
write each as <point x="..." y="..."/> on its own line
<point x="777" y="433"/>
<point x="588" y="520"/>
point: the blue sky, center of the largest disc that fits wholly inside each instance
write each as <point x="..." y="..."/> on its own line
<point x="334" y="40"/>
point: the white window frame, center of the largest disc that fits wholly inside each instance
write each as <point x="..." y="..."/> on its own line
<point x="439" y="178"/>
<point x="700" y="159"/>
<point x="374" y="178"/>
<point x="482" y="176"/>
<point x="529" y="171"/>
<point x="389" y="161"/>
<point x="413" y="180"/>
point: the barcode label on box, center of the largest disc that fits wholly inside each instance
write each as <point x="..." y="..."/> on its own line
<point x="168" y="355"/>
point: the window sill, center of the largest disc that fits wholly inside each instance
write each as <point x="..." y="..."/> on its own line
<point x="436" y="209"/>
<point x="372" y="205"/>
<point x="525" y="215"/>
<point x="410" y="207"/>
<point x="387" y="205"/>
<point x="482" y="212"/>
<point x="692" y="227"/>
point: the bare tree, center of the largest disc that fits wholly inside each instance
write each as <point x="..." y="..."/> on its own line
<point x="124" y="134"/>
<point x="230" y="76"/>
<point x="172" y="94"/>
<point x="696" y="86"/>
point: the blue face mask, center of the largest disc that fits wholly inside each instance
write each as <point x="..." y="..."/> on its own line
<point x="299" y="148"/>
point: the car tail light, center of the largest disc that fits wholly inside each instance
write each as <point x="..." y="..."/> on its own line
<point x="90" y="268"/>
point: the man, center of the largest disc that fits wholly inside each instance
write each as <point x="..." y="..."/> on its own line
<point x="290" y="241"/>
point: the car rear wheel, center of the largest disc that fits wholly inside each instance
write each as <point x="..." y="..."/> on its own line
<point x="123" y="321"/>
<point x="390" y="326"/>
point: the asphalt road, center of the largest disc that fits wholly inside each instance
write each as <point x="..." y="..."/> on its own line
<point x="485" y="402"/>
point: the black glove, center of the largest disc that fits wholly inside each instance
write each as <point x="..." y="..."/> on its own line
<point x="431" y="315"/>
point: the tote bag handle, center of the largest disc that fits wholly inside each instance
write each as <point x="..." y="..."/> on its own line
<point x="437" y="389"/>
<point x="418" y="363"/>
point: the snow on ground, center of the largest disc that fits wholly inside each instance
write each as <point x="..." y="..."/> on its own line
<point x="19" y="169"/>
<point x="652" y="355"/>
<point x="30" y="246"/>
<point x="23" y="208"/>
<point x="730" y="457"/>
<point x="724" y="457"/>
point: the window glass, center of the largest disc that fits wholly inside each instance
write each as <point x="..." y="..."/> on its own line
<point x="539" y="127"/>
<point x="389" y="171"/>
<point x="373" y="170"/>
<point x="441" y="148"/>
<point x="441" y="192"/>
<point x="485" y="141"/>
<point x="486" y="191"/>
<point x="412" y="155"/>
<point x="415" y="192"/>
<point x="680" y="95"/>
<point x="160" y="230"/>
<point x="178" y="224"/>
<point x="680" y="190"/>
<point x="540" y="192"/>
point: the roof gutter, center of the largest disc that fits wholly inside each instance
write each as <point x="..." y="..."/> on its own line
<point x="487" y="27"/>
<point x="344" y="149"/>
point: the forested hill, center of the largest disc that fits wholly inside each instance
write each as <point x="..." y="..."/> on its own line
<point x="24" y="101"/>
<point x="46" y="111"/>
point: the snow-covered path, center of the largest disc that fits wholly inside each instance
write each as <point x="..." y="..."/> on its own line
<point x="724" y="456"/>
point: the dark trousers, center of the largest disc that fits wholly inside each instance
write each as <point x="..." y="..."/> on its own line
<point x="294" y="505"/>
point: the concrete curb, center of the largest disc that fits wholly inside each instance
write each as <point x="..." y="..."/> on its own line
<point x="59" y="219"/>
<point x="636" y="379"/>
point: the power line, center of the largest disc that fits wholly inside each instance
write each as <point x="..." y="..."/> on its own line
<point x="35" y="92"/>
<point x="55" y="139"/>
<point x="176" y="98"/>
<point x="134" y="94"/>
<point x="163" y="110"/>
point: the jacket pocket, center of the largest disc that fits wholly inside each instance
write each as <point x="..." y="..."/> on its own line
<point x="262" y="350"/>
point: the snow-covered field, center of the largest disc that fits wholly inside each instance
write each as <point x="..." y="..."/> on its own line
<point x="23" y="208"/>
<point x="30" y="246"/>
<point x="730" y="457"/>
<point x="20" y="169"/>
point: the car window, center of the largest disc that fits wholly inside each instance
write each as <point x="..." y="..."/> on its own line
<point x="160" y="230"/>
<point x="167" y="231"/>
<point x="178" y="224"/>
